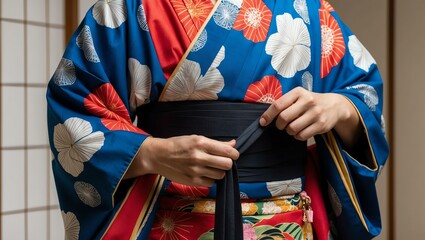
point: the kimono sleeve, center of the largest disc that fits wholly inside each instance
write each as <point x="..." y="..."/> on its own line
<point x="348" y="68"/>
<point x="91" y="102"/>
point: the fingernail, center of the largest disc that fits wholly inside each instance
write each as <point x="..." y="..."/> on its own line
<point x="262" y="122"/>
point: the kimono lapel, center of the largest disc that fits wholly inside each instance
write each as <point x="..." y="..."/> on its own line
<point x="174" y="26"/>
<point x="196" y="76"/>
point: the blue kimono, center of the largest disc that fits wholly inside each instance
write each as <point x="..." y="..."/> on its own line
<point x="129" y="53"/>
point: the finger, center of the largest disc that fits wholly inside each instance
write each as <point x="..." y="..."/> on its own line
<point x="231" y="143"/>
<point x="205" y="159"/>
<point x="278" y="106"/>
<point x="308" y="132"/>
<point x="213" y="173"/>
<point x="299" y="124"/>
<point x="217" y="162"/>
<point x="223" y="149"/>
<point x="207" y="182"/>
<point x="290" y="114"/>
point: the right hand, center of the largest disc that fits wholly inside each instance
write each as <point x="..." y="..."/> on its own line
<point x="191" y="160"/>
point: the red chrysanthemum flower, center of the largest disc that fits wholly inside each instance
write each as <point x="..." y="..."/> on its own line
<point x="254" y="20"/>
<point x="266" y="90"/>
<point x="105" y="103"/>
<point x="192" y="14"/>
<point x="333" y="46"/>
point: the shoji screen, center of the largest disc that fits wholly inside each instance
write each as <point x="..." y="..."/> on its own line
<point x="32" y="42"/>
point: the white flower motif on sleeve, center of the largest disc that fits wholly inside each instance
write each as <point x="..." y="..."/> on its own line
<point x="76" y="143"/>
<point x="110" y="13"/>
<point x="287" y="187"/>
<point x="85" y="43"/>
<point x="226" y="14"/>
<point x="307" y="81"/>
<point x="72" y="226"/>
<point x="141" y="18"/>
<point x="290" y="46"/>
<point x="65" y="74"/>
<point x="87" y="194"/>
<point x="361" y="56"/>
<point x="370" y="95"/>
<point x="302" y="9"/>
<point x="189" y="84"/>
<point x="141" y="82"/>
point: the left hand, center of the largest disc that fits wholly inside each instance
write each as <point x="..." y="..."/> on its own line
<point x="304" y="114"/>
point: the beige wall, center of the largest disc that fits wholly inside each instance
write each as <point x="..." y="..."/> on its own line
<point x="83" y="6"/>
<point x="409" y="119"/>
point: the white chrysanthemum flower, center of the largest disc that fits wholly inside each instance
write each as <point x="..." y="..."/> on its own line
<point x="76" y="143"/>
<point x="301" y="7"/>
<point x="110" y="13"/>
<point x="287" y="187"/>
<point x="226" y="14"/>
<point x="271" y="208"/>
<point x="141" y="18"/>
<point x="200" y="42"/>
<point x="72" y="226"/>
<point x="85" y="43"/>
<point x="290" y="46"/>
<point x="141" y="82"/>
<point x="335" y="202"/>
<point x="362" y="58"/>
<point x="65" y="74"/>
<point x="87" y="194"/>
<point x="370" y="95"/>
<point x="307" y="81"/>
<point x="189" y="84"/>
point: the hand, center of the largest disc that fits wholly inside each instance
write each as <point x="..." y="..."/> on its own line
<point x="191" y="160"/>
<point x="304" y="114"/>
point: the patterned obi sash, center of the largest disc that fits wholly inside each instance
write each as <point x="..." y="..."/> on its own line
<point x="266" y="154"/>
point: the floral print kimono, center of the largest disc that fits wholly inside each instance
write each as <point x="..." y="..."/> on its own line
<point x="127" y="53"/>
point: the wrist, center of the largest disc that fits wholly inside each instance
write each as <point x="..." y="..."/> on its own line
<point x="144" y="161"/>
<point x="348" y="125"/>
<point x="146" y="155"/>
